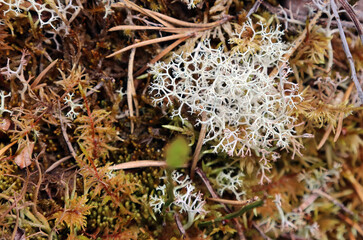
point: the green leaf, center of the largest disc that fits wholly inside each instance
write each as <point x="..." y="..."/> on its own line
<point x="83" y="238"/>
<point x="174" y="128"/>
<point x="177" y="153"/>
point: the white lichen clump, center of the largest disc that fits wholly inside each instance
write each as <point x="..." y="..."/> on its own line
<point x="246" y="107"/>
<point x="227" y="182"/>
<point x="2" y="103"/>
<point x="185" y="198"/>
<point x="72" y="114"/>
<point x="293" y="222"/>
<point x="48" y="13"/>
<point x="191" y="3"/>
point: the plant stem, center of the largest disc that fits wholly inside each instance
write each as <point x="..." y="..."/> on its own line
<point x="232" y="215"/>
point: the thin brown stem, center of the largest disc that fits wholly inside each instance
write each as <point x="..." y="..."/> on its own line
<point x="161" y="54"/>
<point x="233" y="202"/>
<point x="347" y="51"/>
<point x="16" y="200"/>
<point x="140" y="164"/>
<point x="131" y="93"/>
<point x="65" y="135"/>
<point x="351" y="13"/>
<point x="180" y="226"/>
<point x="152" y="41"/>
<point x="57" y="163"/>
<point x="254" y="8"/>
<point x="188" y="24"/>
<point x="351" y="223"/>
<point x="260" y="231"/>
<point x="302" y="18"/>
<point x="40" y="179"/>
<point x="198" y="148"/>
<point x="164" y="29"/>
<point x="168" y="21"/>
<point x="207" y="183"/>
<point x="133" y="6"/>
<point x="15" y="232"/>
<point x="325" y="136"/>
<point x="336" y="202"/>
<point x="42" y="74"/>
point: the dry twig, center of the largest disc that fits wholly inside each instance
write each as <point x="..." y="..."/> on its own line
<point x="34" y="86"/>
<point x="152" y="41"/>
<point x="233" y="202"/>
<point x="254" y="8"/>
<point x="336" y="202"/>
<point x="185" y="31"/>
<point x="131" y="92"/>
<point x="207" y="183"/>
<point x="347" y="173"/>
<point x="260" y="231"/>
<point x="180" y="226"/>
<point x="351" y="13"/>
<point x="202" y="133"/>
<point x="351" y="223"/>
<point x="139" y="164"/>
<point x="347" y="51"/>
<point x="65" y="135"/>
<point x="57" y="163"/>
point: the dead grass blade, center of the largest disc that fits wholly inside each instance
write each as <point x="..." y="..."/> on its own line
<point x="133" y="27"/>
<point x="133" y="6"/>
<point x="186" y="30"/>
<point x="131" y="93"/>
<point x="42" y="74"/>
<point x="325" y="137"/>
<point x="351" y="223"/>
<point x="164" y="29"/>
<point x="231" y="202"/>
<point x="139" y="164"/>
<point x="57" y="163"/>
<point x="193" y="25"/>
<point x="168" y="21"/>
<point x="4" y="149"/>
<point x="203" y="131"/>
<point x="161" y="54"/>
<point x="148" y="42"/>
<point x="356" y="185"/>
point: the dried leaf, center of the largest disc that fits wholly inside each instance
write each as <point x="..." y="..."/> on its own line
<point x="23" y="159"/>
<point x="20" y="234"/>
<point x="4" y="124"/>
